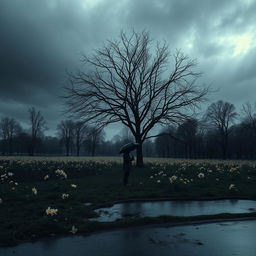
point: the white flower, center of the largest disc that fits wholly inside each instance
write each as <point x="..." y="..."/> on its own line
<point x="200" y="175"/>
<point x="158" y="181"/>
<point x="233" y="169"/>
<point x="231" y="186"/>
<point x="61" y="173"/>
<point x="10" y="174"/>
<point x="73" y="230"/>
<point x="173" y="178"/>
<point x="51" y="211"/>
<point x="34" y="190"/>
<point x="1" y="200"/>
<point x="73" y="185"/>
<point x="46" y="177"/>
<point x="64" y="196"/>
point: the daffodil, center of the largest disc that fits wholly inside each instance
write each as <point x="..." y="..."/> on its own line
<point x="173" y="178"/>
<point x="64" y="196"/>
<point x="34" y="190"/>
<point x="200" y="175"/>
<point x="51" y="211"/>
<point x="61" y="173"/>
<point x="231" y="186"/>
<point x="46" y="177"/>
<point x="73" y="230"/>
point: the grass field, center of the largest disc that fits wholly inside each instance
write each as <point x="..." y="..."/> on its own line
<point x="46" y="196"/>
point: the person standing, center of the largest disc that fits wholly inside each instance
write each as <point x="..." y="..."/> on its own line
<point x="127" y="166"/>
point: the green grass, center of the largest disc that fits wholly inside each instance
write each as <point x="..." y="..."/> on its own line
<point x="23" y="214"/>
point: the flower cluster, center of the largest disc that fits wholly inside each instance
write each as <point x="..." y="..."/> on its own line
<point x="61" y="173"/>
<point x="200" y="175"/>
<point x="64" y="196"/>
<point x="4" y="177"/>
<point x="233" y="169"/>
<point x="73" y="230"/>
<point x="51" y="211"/>
<point x="46" y="177"/>
<point x="34" y="190"/>
<point x="173" y="178"/>
<point x="232" y="186"/>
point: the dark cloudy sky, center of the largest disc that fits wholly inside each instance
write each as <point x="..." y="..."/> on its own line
<point x="41" y="39"/>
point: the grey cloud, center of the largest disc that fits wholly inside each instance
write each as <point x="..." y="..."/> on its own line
<point x="40" y="40"/>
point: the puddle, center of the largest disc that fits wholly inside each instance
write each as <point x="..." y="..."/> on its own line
<point x="174" y="208"/>
<point x="230" y="238"/>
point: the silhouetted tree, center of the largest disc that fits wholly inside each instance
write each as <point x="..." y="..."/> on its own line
<point x="221" y="115"/>
<point x="37" y="127"/>
<point x="250" y="116"/>
<point x="127" y="81"/>
<point x="166" y="144"/>
<point x="66" y="133"/>
<point x="8" y="129"/>
<point x="22" y="143"/>
<point x="79" y="134"/>
<point x="187" y="131"/>
<point x="94" y="138"/>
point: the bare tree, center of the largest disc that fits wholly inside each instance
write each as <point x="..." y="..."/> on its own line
<point x="126" y="81"/>
<point x="37" y="127"/>
<point x="187" y="131"/>
<point x="221" y="115"/>
<point x="94" y="137"/>
<point x="249" y="113"/>
<point x="79" y="133"/>
<point x="166" y="143"/>
<point x="8" y="129"/>
<point x="66" y="132"/>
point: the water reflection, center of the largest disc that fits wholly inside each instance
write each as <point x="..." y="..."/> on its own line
<point x="174" y="208"/>
<point x="222" y="239"/>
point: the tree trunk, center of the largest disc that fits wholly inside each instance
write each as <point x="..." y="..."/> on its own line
<point x="67" y="149"/>
<point x="78" y="150"/>
<point x="32" y="148"/>
<point x="139" y="162"/>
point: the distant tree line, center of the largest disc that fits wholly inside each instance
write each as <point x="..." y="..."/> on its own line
<point x="219" y="133"/>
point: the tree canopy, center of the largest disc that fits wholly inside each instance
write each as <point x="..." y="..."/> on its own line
<point x="133" y="81"/>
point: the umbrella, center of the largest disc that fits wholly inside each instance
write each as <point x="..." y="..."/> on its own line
<point x="128" y="147"/>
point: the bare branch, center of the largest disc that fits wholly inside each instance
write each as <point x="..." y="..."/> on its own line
<point x="126" y="81"/>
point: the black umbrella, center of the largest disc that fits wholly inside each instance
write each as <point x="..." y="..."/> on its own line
<point x="128" y="147"/>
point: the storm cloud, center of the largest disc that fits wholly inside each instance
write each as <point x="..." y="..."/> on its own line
<point x="41" y="40"/>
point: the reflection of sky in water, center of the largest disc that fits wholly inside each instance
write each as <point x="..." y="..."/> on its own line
<point x="214" y="239"/>
<point x="175" y="208"/>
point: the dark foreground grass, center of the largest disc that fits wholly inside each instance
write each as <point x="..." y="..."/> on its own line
<point x="23" y="214"/>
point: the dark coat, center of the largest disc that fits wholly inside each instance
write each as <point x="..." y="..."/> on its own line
<point x="127" y="164"/>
